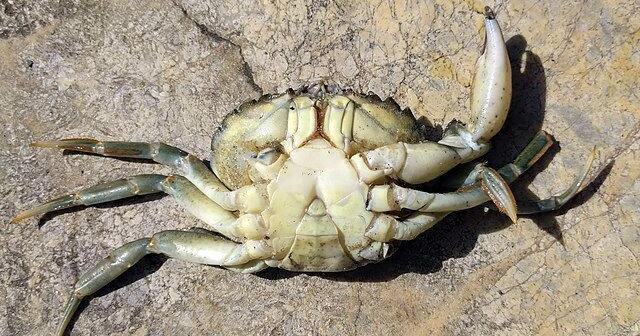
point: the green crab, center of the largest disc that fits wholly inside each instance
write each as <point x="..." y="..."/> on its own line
<point x="315" y="180"/>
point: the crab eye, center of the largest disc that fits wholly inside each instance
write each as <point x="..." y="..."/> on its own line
<point x="267" y="156"/>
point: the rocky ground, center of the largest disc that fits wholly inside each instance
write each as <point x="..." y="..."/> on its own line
<point x="169" y="71"/>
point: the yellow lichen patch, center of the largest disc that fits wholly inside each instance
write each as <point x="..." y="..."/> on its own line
<point x="442" y="68"/>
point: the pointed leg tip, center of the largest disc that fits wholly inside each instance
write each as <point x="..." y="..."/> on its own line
<point x="42" y="144"/>
<point x="498" y="190"/>
<point x="18" y="218"/>
<point x="488" y="13"/>
<point x="47" y="144"/>
<point x="511" y="210"/>
<point x="594" y="153"/>
<point x="69" y="310"/>
<point x="61" y="329"/>
<point x="27" y="214"/>
<point x="583" y="179"/>
<point x="64" y="142"/>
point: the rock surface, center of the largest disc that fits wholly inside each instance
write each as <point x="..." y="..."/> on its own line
<point x="169" y="71"/>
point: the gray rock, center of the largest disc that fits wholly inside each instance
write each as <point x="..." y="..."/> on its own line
<point x="164" y="71"/>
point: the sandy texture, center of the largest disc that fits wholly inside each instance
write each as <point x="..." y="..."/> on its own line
<point x="164" y="71"/>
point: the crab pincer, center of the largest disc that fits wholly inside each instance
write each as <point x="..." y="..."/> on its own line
<point x="498" y="190"/>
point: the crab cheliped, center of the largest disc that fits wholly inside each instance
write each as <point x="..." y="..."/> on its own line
<point x="316" y="180"/>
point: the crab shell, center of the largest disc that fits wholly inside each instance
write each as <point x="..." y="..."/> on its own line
<point x="317" y="213"/>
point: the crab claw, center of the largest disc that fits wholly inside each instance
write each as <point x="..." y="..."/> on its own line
<point x="498" y="190"/>
<point x="491" y="89"/>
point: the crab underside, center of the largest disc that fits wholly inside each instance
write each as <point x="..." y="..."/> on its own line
<point x="318" y="179"/>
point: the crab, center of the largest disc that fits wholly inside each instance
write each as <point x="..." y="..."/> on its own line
<point x="316" y="180"/>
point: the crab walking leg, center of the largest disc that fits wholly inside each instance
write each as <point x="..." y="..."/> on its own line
<point x="101" y="193"/>
<point x="557" y="201"/>
<point x="184" y="192"/>
<point x="189" y="246"/>
<point x="414" y="163"/>
<point x="385" y="227"/>
<point x="393" y="197"/>
<point x="190" y="166"/>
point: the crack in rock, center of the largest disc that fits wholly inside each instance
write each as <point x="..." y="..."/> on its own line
<point x="248" y="72"/>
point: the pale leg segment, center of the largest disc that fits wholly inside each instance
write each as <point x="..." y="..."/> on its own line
<point x="490" y="99"/>
<point x="247" y="226"/>
<point x="414" y="163"/>
<point x="196" y="247"/>
<point x="338" y="122"/>
<point x="302" y="123"/>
